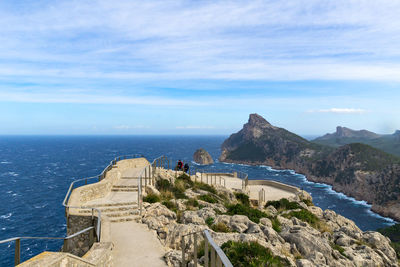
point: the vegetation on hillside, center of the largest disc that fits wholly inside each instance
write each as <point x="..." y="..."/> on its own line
<point x="393" y="232"/>
<point x="251" y="254"/>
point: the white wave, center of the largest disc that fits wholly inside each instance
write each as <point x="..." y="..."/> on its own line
<point x="3" y="228"/>
<point x="373" y="214"/>
<point x="8" y="215"/>
<point x="40" y="206"/>
<point x="83" y="164"/>
<point x="14" y="174"/>
<point x="5" y="162"/>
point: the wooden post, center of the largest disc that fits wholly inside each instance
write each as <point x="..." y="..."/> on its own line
<point x="145" y="177"/>
<point x="17" y="256"/>
<point x="195" y="250"/>
<point x="183" y="251"/>
<point x="212" y="257"/>
<point x="206" y="259"/>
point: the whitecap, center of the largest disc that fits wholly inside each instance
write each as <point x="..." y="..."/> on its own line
<point x="8" y="215"/>
<point x="3" y="228"/>
<point x="14" y="174"/>
<point x="5" y="162"/>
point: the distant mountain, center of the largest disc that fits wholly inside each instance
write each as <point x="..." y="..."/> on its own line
<point x="389" y="143"/>
<point x="357" y="170"/>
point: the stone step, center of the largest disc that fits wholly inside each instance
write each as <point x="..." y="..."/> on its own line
<point x="118" y="204"/>
<point x="126" y="219"/>
<point x="125" y="186"/>
<point x="116" y="208"/>
<point x="122" y="214"/>
<point x="124" y="189"/>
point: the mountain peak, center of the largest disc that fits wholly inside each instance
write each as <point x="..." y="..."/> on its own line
<point x="257" y="120"/>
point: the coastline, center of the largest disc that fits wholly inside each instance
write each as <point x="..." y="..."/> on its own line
<point x="374" y="208"/>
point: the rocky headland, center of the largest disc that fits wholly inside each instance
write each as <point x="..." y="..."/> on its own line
<point x="201" y="156"/>
<point x="390" y="143"/>
<point x="286" y="232"/>
<point x="356" y="169"/>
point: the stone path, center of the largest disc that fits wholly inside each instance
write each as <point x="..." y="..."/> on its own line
<point x="134" y="243"/>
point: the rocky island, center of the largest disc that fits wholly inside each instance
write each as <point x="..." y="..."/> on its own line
<point x="356" y="169"/>
<point x="201" y="156"/>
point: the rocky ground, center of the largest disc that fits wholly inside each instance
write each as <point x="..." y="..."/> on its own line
<point x="294" y="230"/>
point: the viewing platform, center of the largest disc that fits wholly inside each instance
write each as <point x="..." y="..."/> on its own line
<point x="104" y="218"/>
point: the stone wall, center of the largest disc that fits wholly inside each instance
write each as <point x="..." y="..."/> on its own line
<point x="80" y="244"/>
<point x="289" y="188"/>
<point x="100" y="255"/>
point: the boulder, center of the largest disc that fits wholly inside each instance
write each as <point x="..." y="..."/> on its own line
<point x="239" y="223"/>
<point x="202" y="157"/>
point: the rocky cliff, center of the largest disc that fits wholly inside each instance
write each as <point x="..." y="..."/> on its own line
<point x="292" y="232"/>
<point x="357" y="170"/>
<point x="201" y="156"/>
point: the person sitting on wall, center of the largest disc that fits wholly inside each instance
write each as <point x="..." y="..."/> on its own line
<point x="179" y="165"/>
<point x="186" y="167"/>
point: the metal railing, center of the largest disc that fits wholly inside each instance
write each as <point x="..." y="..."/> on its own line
<point x="213" y="254"/>
<point x="17" y="255"/>
<point x="101" y="176"/>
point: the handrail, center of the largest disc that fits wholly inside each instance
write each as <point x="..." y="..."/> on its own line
<point x="17" y="255"/>
<point x="64" y="203"/>
<point x="221" y="255"/>
<point x="218" y="257"/>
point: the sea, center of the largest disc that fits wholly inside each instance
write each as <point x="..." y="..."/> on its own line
<point x="36" y="171"/>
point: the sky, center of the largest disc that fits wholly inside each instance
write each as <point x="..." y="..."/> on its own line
<point x="198" y="67"/>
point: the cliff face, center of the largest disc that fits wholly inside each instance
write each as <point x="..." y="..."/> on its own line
<point x="357" y="170"/>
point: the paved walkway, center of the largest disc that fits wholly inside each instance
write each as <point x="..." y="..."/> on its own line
<point x="271" y="192"/>
<point x="134" y="244"/>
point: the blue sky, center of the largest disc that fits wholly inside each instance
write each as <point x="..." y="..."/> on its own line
<point x="198" y="67"/>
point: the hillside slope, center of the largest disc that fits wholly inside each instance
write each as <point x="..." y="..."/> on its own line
<point x="358" y="170"/>
<point x="389" y="143"/>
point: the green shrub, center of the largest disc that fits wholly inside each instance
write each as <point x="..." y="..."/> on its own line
<point x="209" y="221"/>
<point x="221" y="227"/>
<point x="308" y="202"/>
<point x="186" y="178"/>
<point x="243" y="198"/>
<point x="170" y="205"/>
<point x="208" y="198"/>
<point x="192" y="202"/>
<point x="283" y="204"/>
<point x="338" y="248"/>
<point x="205" y="187"/>
<point x="253" y="214"/>
<point x="276" y="224"/>
<point x="250" y="254"/>
<point x="305" y="216"/>
<point x="163" y="184"/>
<point x="393" y="232"/>
<point x="151" y="198"/>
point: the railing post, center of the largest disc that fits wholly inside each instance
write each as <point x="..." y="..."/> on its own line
<point x="65" y="246"/>
<point x="183" y="251"/>
<point x="212" y="256"/>
<point x="145" y="177"/>
<point x="206" y="259"/>
<point x="17" y="256"/>
<point x="91" y="237"/>
<point x="195" y="250"/>
<point x="219" y="263"/>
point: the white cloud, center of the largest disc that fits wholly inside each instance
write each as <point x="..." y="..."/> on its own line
<point x="339" y="111"/>
<point x="174" y="40"/>
<point x="130" y="127"/>
<point x="194" y="127"/>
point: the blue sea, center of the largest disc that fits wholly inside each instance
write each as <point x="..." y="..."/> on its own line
<point x="36" y="171"/>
